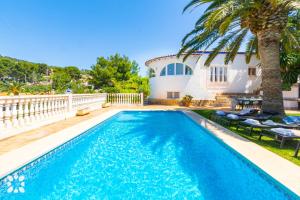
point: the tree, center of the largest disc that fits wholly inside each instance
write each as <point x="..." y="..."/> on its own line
<point x="61" y="81"/>
<point x="230" y="22"/>
<point x="118" y="74"/>
<point x="73" y="71"/>
<point x="14" y="87"/>
<point x="101" y="74"/>
<point x="290" y="69"/>
<point x="109" y="70"/>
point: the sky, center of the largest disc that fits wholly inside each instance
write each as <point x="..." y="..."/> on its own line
<point x="76" y="32"/>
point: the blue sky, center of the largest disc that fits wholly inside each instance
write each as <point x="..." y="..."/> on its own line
<point x="76" y="32"/>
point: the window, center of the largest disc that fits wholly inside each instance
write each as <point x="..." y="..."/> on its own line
<point x="176" y="95"/>
<point x="188" y="70"/>
<point x="176" y="69"/>
<point x="179" y="69"/>
<point x="211" y="74"/>
<point x="173" y="95"/>
<point x="251" y="71"/>
<point x="221" y="74"/>
<point x="171" y="70"/>
<point x="225" y="74"/>
<point x="170" y="95"/>
<point x="218" y="74"/>
<point x="151" y="73"/>
<point x="163" y="72"/>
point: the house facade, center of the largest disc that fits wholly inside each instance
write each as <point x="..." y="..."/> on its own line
<point x="173" y="78"/>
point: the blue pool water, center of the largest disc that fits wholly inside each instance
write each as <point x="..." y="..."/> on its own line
<point x="143" y="155"/>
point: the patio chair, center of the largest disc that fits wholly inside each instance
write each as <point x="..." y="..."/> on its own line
<point x="251" y="124"/>
<point x="283" y="134"/>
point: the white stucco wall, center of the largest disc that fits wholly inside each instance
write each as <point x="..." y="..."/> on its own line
<point x="198" y="85"/>
<point x="292" y="94"/>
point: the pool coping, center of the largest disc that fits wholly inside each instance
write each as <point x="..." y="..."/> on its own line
<point x="280" y="169"/>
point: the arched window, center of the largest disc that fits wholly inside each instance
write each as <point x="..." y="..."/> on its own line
<point x="151" y="73"/>
<point x="176" y="69"/>
<point x="163" y="72"/>
<point x="179" y="68"/>
<point x="188" y="70"/>
<point x="171" y="69"/>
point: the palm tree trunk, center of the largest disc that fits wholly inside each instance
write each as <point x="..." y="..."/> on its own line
<point x="268" y="43"/>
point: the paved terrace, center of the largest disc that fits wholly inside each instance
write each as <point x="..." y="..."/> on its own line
<point x="22" y="139"/>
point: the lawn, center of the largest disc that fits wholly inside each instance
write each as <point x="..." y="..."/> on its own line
<point x="293" y="114"/>
<point x="269" y="143"/>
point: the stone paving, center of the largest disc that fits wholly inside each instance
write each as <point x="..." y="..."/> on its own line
<point x="17" y="141"/>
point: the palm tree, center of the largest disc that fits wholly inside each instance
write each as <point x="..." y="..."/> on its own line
<point x="14" y="88"/>
<point x="262" y="23"/>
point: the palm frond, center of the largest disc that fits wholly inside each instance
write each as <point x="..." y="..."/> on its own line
<point x="235" y="46"/>
<point x="221" y="45"/>
<point x="251" y="48"/>
<point x="195" y="3"/>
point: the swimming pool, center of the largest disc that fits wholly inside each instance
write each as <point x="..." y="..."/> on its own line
<point x="143" y="155"/>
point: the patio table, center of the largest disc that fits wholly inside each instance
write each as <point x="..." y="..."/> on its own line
<point x="249" y="102"/>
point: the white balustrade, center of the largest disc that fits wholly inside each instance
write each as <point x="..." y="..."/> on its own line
<point x="2" y="114"/>
<point x="125" y="98"/>
<point x="32" y="111"/>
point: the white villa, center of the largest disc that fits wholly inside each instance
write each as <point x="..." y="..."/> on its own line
<point x="171" y="78"/>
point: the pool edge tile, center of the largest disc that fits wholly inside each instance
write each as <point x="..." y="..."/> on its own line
<point x="282" y="170"/>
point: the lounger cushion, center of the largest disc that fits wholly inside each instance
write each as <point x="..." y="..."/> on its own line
<point x="252" y="121"/>
<point x="270" y="123"/>
<point x="291" y="120"/>
<point x="220" y="113"/>
<point x="283" y="131"/>
<point x="232" y="116"/>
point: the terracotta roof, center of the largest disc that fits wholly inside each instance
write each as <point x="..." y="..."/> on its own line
<point x="173" y="55"/>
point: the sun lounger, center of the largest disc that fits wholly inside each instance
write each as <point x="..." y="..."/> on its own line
<point x="233" y="119"/>
<point x="283" y="134"/>
<point x="280" y="125"/>
<point x="260" y="117"/>
<point x="245" y="112"/>
<point x="251" y="124"/>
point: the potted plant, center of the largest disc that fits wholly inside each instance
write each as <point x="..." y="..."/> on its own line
<point x="187" y="100"/>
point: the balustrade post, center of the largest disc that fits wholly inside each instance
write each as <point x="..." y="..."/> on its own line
<point x="41" y="109"/>
<point x="21" y="112"/>
<point x="53" y="106"/>
<point x="142" y="99"/>
<point x="28" y="119"/>
<point x="36" y="109"/>
<point x="33" y="110"/>
<point x="50" y="113"/>
<point x="7" y="114"/>
<point x="70" y="102"/>
<point x="14" y="112"/>
<point x="1" y="114"/>
<point x="46" y="113"/>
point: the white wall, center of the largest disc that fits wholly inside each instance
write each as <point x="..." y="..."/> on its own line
<point x="198" y="85"/>
<point x="292" y="94"/>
